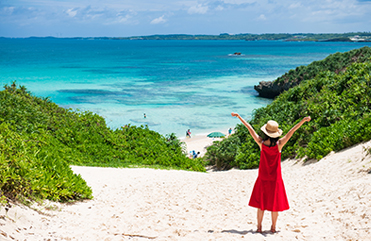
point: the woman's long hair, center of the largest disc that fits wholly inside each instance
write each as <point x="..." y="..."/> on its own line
<point x="272" y="140"/>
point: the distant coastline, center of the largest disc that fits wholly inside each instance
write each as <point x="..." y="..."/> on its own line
<point x="297" y="37"/>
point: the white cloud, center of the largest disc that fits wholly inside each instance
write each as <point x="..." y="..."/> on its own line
<point x="333" y="12"/>
<point x="262" y="17"/>
<point x="159" y="20"/>
<point x="90" y="17"/>
<point x="71" y="12"/>
<point x="8" y="10"/>
<point x="124" y="16"/>
<point x="239" y="1"/>
<point x="219" y="8"/>
<point x="123" y="19"/>
<point x="92" y="13"/>
<point x="198" y="9"/>
<point x="295" y="5"/>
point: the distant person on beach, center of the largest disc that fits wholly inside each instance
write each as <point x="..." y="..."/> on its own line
<point x="230" y="131"/>
<point x="188" y="133"/>
<point x="195" y="155"/>
<point x="269" y="191"/>
<point x="145" y="116"/>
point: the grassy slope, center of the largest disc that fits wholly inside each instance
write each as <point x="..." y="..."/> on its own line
<point x="336" y="63"/>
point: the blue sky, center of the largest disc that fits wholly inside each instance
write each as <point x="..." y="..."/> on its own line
<point x="92" y="18"/>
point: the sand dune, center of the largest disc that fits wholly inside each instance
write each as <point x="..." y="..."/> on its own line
<point x="329" y="200"/>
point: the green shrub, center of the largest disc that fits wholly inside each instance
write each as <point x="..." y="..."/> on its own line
<point x="222" y="153"/>
<point x="30" y="173"/>
<point x="340" y="135"/>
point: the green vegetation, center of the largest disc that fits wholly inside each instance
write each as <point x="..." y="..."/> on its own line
<point x="339" y="104"/>
<point x="222" y="154"/>
<point x="40" y="140"/>
<point x="334" y="62"/>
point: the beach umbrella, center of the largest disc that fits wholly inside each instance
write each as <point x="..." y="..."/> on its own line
<point x="215" y="134"/>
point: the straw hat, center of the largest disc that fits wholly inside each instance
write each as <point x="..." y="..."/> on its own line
<point x="271" y="129"/>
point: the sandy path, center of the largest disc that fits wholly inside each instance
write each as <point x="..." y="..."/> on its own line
<point x="330" y="200"/>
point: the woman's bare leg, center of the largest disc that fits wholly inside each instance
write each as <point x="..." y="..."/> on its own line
<point x="260" y="220"/>
<point x="274" y="221"/>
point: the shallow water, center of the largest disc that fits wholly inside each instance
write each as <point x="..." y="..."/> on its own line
<point x="179" y="85"/>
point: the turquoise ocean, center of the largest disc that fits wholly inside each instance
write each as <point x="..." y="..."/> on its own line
<point x="179" y="85"/>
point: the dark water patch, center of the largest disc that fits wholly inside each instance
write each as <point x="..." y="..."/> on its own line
<point x="108" y="70"/>
<point x="71" y="67"/>
<point x="125" y="67"/>
<point x="130" y="85"/>
<point x="86" y="100"/>
<point x="224" y="104"/>
<point x="124" y="100"/>
<point x="202" y="61"/>
<point x="82" y="82"/>
<point x="147" y="97"/>
<point x="260" y="56"/>
<point x="249" y="90"/>
<point x="94" y="92"/>
<point x="261" y="101"/>
<point x="95" y="96"/>
<point x="145" y="104"/>
<point x="103" y="71"/>
<point x="133" y="110"/>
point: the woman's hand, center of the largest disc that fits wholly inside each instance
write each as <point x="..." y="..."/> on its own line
<point x="234" y="114"/>
<point x="307" y="118"/>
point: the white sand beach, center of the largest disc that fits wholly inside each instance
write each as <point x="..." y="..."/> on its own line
<point x="199" y="143"/>
<point x="329" y="200"/>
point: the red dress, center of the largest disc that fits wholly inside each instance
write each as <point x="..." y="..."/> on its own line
<point x="269" y="191"/>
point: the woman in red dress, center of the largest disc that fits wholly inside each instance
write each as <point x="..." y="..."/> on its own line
<point x="269" y="191"/>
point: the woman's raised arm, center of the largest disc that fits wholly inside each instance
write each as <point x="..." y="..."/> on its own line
<point x="252" y="132"/>
<point x="289" y="134"/>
